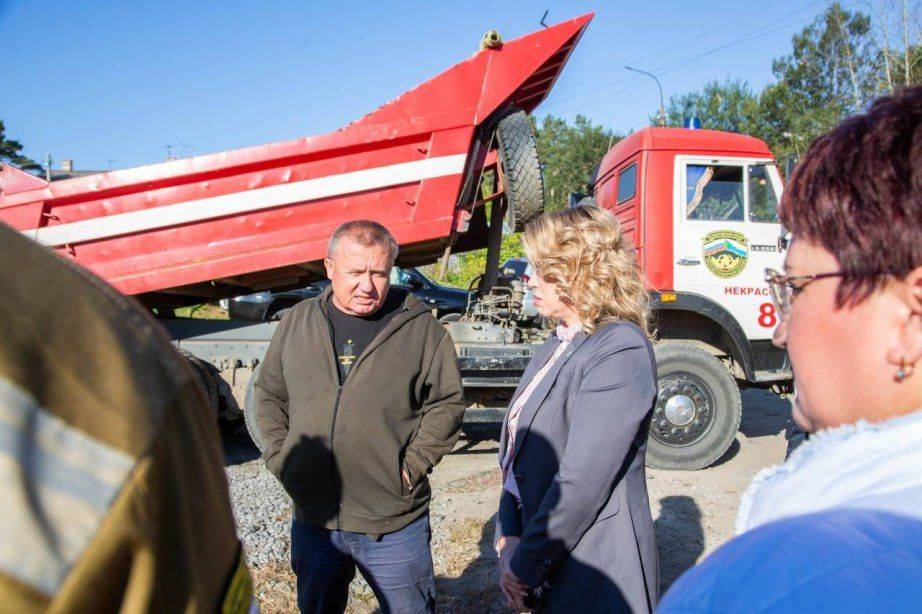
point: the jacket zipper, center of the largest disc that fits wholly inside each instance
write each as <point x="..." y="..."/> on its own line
<point x="339" y="394"/>
<point x="336" y="487"/>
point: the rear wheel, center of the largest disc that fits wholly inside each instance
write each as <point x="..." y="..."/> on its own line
<point x="518" y="153"/>
<point x="697" y="411"/>
<point x="209" y="384"/>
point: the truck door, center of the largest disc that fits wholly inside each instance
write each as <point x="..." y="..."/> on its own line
<point x="727" y="231"/>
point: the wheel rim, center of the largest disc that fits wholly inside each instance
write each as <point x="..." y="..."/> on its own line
<point x="684" y="410"/>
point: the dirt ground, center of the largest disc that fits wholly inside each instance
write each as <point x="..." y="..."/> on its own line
<point x="693" y="512"/>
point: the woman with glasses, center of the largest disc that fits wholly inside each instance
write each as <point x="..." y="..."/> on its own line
<point x="838" y="526"/>
<point x="574" y="531"/>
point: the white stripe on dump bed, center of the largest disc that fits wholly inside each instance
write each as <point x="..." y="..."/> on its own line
<point x="57" y="484"/>
<point x="248" y="200"/>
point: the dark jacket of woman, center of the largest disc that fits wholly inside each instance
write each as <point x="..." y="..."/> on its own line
<point x="586" y="531"/>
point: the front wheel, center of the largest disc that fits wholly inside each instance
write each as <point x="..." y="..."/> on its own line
<point x="698" y="409"/>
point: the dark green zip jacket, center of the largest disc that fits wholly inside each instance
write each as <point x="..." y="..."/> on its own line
<point x="338" y="449"/>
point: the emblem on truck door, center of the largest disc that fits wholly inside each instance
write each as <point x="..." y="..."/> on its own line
<point x="725" y="252"/>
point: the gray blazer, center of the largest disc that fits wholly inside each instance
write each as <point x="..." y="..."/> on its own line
<point x="585" y="525"/>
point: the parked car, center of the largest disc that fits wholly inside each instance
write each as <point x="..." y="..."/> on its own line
<point x="247" y="307"/>
<point x="271" y="305"/>
<point x="516" y="267"/>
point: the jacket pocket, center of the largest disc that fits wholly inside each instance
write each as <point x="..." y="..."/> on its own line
<point x="612" y="507"/>
<point x="401" y="468"/>
<point x="407" y="489"/>
<point x="308" y="472"/>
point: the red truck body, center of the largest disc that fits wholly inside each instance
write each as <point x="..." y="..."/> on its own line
<point x="259" y="218"/>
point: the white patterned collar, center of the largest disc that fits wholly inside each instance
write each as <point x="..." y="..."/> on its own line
<point x="863" y="465"/>
<point x="567" y="333"/>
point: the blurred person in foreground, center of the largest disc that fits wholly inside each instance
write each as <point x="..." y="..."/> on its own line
<point x="838" y="527"/>
<point x="113" y="496"/>
<point x="574" y="531"/>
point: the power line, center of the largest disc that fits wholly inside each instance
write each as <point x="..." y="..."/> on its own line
<point x="757" y="33"/>
<point x="668" y="68"/>
<point x="664" y="71"/>
<point x="670" y="48"/>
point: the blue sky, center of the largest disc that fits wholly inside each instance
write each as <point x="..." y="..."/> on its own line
<point x="111" y="84"/>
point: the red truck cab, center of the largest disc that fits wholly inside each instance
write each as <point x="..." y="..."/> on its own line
<point x="701" y="208"/>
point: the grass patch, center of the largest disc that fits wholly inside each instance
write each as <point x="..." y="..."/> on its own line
<point x="205" y="311"/>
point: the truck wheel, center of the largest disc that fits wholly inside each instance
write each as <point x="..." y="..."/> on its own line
<point x="697" y="411"/>
<point x="518" y="153"/>
<point x="249" y="411"/>
<point x="208" y="382"/>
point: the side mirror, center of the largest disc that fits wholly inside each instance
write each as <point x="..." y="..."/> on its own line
<point x="784" y="240"/>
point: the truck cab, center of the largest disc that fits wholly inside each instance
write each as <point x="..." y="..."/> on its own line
<point x="701" y="209"/>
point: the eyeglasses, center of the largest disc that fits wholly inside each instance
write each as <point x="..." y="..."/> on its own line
<point x="784" y="288"/>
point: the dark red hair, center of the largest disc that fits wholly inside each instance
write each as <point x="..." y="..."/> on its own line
<point x="858" y="193"/>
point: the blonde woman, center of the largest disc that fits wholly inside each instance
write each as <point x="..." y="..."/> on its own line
<point x="574" y="531"/>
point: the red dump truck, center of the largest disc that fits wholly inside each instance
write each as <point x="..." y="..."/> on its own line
<point x="445" y="166"/>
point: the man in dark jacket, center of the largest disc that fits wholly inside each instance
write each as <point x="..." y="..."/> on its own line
<point x="358" y="399"/>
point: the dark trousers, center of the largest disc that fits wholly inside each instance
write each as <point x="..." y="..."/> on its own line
<point x="397" y="567"/>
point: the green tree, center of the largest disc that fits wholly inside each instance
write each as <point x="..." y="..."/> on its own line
<point x="898" y="30"/>
<point x="466" y="267"/>
<point x="891" y="79"/>
<point x="9" y="152"/>
<point x="570" y="155"/>
<point x="830" y="73"/>
<point x="730" y="106"/>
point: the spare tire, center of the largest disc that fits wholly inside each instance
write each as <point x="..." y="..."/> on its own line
<point x="523" y="183"/>
<point x="209" y="384"/>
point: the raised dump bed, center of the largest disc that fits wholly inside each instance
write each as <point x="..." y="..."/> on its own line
<point x="230" y="223"/>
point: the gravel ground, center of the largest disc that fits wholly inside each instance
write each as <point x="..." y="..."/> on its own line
<point x="693" y="512"/>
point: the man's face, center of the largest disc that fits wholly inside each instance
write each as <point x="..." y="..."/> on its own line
<point x="360" y="277"/>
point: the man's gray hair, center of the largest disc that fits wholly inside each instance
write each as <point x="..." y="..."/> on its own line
<point x="365" y="233"/>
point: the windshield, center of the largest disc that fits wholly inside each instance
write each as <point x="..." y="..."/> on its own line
<point x="763" y="203"/>
<point x="399" y="277"/>
<point x="714" y="192"/>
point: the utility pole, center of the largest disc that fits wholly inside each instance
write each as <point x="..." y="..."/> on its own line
<point x="661" y="118"/>
<point x="48" y="167"/>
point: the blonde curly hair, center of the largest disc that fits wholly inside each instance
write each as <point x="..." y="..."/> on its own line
<point x="585" y="253"/>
